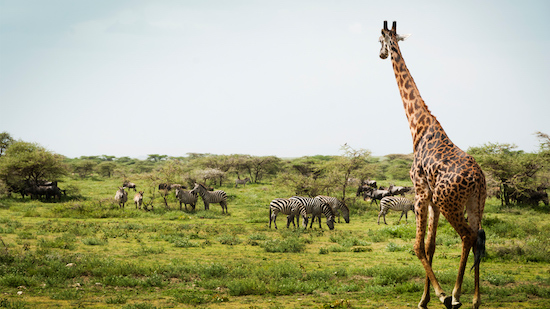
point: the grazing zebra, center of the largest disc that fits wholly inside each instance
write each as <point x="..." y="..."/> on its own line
<point x="208" y="197"/>
<point x="287" y="207"/>
<point x="121" y="197"/>
<point x="336" y="205"/>
<point x="316" y="207"/>
<point x="241" y="181"/>
<point x="396" y="203"/>
<point x="187" y="197"/>
<point x="138" y="199"/>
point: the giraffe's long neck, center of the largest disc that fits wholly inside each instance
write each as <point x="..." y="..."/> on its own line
<point x="418" y="115"/>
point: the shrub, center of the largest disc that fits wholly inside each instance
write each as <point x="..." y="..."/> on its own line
<point x="246" y="286"/>
<point x="291" y="245"/>
<point x="117" y="300"/>
<point x="92" y="241"/>
<point x="229" y="240"/>
<point x="392" y="247"/>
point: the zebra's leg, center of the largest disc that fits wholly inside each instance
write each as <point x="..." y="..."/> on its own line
<point x="319" y="217"/>
<point x="290" y="218"/>
<point x="206" y="205"/>
<point x="402" y="213"/>
<point x="273" y="218"/>
<point x="379" y="214"/>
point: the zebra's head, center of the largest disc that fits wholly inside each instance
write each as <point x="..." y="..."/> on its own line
<point x="330" y="222"/>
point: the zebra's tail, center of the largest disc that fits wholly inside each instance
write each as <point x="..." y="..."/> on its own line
<point x="479" y="248"/>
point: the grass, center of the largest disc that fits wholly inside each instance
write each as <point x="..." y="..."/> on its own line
<point x="87" y="252"/>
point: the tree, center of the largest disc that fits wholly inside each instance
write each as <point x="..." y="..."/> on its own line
<point x="342" y="168"/>
<point x="5" y="141"/>
<point x="84" y="167"/>
<point x="156" y="157"/>
<point x="106" y="168"/>
<point x="258" y="167"/>
<point x="29" y="162"/>
<point x="304" y="176"/>
<point x="514" y="171"/>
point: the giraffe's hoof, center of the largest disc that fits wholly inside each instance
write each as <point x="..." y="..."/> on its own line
<point x="449" y="305"/>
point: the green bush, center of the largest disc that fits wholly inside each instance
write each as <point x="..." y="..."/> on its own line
<point x="290" y="245"/>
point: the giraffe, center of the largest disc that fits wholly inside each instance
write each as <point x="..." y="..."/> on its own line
<point x="446" y="180"/>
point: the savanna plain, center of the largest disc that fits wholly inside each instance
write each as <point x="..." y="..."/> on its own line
<point x="89" y="253"/>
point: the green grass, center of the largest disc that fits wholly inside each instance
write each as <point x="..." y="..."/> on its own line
<point x="86" y="252"/>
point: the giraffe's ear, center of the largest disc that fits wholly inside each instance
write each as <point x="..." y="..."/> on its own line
<point x="403" y="37"/>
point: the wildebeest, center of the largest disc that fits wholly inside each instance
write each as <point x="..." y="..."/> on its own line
<point x="138" y="199"/>
<point x="398" y="190"/>
<point x="366" y="185"/>
<point x="530" y="197"/>
<point x="44" y="189"/>
<point x="129" y="185"/>
<point x="168" y="186"/>
<point x="375" y="195"/>
<point x="121" y="197"/>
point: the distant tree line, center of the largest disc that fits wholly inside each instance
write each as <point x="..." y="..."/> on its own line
<point x="509" y="171"/>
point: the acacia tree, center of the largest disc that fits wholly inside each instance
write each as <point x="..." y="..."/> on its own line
<point x="24" y="162"/>
<point x="5" y="141"/>
<point x="259" y="167"/>
<point x="513" y="170"/>
<point x="343" y="167"/>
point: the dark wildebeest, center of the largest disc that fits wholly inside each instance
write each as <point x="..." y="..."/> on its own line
<point x="376" y="195"/>
<point x="129" y="185"/>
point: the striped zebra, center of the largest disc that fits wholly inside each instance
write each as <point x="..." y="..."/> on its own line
<point x="187" y="197"/>
<point x="288" y="207"/>
<point x="316" y="207"/>
<point x="208" y="197"/>
<point x="241" y="181"/>
<point x="336" y="205"/>
<point x="396" y="203"/>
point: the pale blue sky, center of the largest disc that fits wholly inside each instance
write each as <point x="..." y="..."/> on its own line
<point x="284" y="78"/>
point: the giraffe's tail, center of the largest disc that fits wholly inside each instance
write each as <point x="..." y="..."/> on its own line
<point x="479" y="248"/>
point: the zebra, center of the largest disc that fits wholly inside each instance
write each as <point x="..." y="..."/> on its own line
<point x="316" y="207"/>
<point x="241" y="181"/>
<point x="138" y="199"/>
<point x="187" y="197"/>
<point x="288" y="207"/>
<point x="208" y="197"/>
<point x="336" y="205"/>
<point x="121" y="197"/>
<point x="396" y="203"/>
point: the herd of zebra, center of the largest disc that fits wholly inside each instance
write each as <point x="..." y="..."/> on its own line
<point x="294" y="207"/>
<point x="184" y="197"/>
<point x="299" y="206"/>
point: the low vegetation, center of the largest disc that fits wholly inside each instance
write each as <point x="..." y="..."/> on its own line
<point x="83" y="250"/>
<point x="87" y="252"/>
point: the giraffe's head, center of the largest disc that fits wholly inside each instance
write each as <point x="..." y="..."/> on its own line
<point x="388" y="37"/>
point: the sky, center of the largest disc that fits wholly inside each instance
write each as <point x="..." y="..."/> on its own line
<point x="282" y="78"/>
